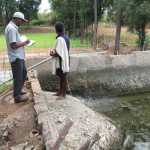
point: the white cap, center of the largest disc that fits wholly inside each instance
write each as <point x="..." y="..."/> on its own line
<point x="20" y="15"/>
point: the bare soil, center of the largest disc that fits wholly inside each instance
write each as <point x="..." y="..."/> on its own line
<point x="19" y="120"/>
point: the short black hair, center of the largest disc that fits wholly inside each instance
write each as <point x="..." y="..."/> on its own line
<point x="59" y="26"/>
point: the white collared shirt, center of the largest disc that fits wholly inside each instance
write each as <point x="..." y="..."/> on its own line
<point x="12" y="36"/>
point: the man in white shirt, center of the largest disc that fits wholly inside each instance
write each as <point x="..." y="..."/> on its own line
<point x="16" y="55"/>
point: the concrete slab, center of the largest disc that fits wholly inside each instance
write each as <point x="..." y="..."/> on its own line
<point x="86" y="123"/>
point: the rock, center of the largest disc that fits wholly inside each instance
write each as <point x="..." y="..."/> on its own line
<point x="18" y="147"/>
<point x="5" y="134"/>
<point x="31" y="147"/>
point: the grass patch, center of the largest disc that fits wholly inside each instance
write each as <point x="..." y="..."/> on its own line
<point x="132" y="42"/>
<point x="5" y="86"/>
<point x="106" y="25"/>
<point x="43" y="40"/>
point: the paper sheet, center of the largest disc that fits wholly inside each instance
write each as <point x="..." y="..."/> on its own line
<point x="24" y="38"/>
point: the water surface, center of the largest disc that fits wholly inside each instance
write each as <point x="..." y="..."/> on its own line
<point x="131" y="113"/>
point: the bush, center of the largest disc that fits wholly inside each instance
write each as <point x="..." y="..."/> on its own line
<point x="143" y="39"/>
<point x="88" y="37"/>
<point x="38" y="22"/>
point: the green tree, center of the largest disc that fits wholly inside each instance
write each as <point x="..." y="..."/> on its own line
<point x="138" y="16"/>
<point x="29" y="8"/>
<point x="7" y="9"/>
<point x="112" y="12"/>
<point x="63" y="12"/>
<point x="78" y="13"/>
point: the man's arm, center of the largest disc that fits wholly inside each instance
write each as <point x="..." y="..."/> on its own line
<point x="15" y="45"/>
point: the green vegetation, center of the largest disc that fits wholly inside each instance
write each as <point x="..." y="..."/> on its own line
<point x="5" y="86"/>
<point x="132" y="42"/>
<point x="137" y="19"/>
<point x="106" y="24"/>
<point x="43" y="40"/>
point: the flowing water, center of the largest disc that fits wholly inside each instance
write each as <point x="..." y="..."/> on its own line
<point x="131" y="113"/>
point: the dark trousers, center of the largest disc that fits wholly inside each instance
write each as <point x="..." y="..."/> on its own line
<point x="19" y="72"/>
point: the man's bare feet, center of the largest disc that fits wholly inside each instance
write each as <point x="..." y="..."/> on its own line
<point x="60" y="97"/>
<point x="56" y="94"/>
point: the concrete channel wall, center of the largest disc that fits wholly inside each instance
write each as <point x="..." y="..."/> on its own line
<point x="101" y="74"/>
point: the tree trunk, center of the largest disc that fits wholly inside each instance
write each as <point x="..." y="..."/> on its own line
<point x="143" y="35"/>
<point x="28" y="24"/>
<point x="95" y="26"/>
<point x="82" y="37"/>
<point x="86" y="26"/>
<point x="74" y="25"/>
<point x="118" y="29"/>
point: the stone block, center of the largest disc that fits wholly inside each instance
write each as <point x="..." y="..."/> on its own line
<point x="39" y="99"/>
<point x="95" y="62"/>
<point x="73" y="64"/>
<point x="121" y="61"/>
<point x="36" y="88"/>
<point x="132" y="60"/>
<point x="142" y="58"/>
<point x="82" y="65"/>
<point x="109" y="62"/>
<point x="40" y="108"/>
<point x="49" y="129"/>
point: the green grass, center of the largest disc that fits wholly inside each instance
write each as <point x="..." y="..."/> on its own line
<point x="43" y="40"/>
<point x="106" y="25"/>
<point x="5" y="86"/>
<point x="132" y="42"/>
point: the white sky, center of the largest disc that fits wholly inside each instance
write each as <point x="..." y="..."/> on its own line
<point x="44" y="5"/>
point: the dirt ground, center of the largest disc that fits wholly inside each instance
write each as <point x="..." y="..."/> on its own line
<point x="17" y="122"/>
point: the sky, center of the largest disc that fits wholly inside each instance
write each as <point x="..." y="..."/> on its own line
<point x="44" y="5"/>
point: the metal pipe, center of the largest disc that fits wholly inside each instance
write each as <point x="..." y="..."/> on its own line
<point x="30" y="68"/>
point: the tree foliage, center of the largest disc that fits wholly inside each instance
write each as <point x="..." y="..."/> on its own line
<point x="137" y="17"/>
<point x="64" y="10"/>
<point x="7" y="8"/>
<point x="29" y="8"/>
<point x="112" y="12"/>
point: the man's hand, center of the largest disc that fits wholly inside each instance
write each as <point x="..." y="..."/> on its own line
<point x="52" y="53"/>
<point x="27" y="42"/>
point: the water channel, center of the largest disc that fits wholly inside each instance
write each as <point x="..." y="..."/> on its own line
<point x="131" y="113"/>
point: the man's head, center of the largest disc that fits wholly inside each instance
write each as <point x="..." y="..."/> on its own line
<point x="18" y="18"/>
<point x="59" y="26"/>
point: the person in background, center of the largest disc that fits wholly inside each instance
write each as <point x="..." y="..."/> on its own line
<point x="16" y="55"/>
<point x="61" y="61"/>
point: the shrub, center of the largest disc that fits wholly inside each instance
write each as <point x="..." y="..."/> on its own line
<point x="143" y="40"/>
<point x="88" y="37"/>
<point x="38" y="22"/>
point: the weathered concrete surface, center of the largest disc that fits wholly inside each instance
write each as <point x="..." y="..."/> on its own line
<point x="86" y="123"/>
<point x="101" y="75"/>
<point x="52" y="116"/>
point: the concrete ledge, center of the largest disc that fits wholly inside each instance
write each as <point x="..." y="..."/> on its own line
<point x="48" y="129"/>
